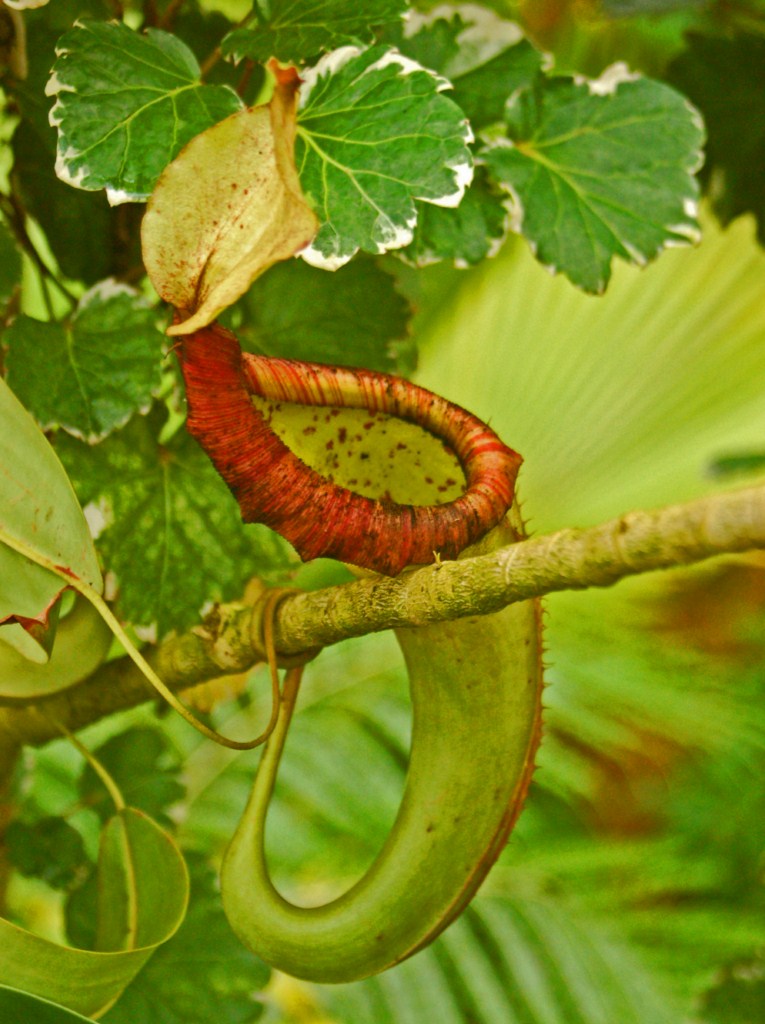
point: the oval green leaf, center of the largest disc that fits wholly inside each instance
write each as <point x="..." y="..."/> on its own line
<point x="21" y="1006"/>
<point x="38" y="511"/>
<point x="143" y="892"/>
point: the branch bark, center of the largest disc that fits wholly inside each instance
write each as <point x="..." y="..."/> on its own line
<point x="229" y="640"/>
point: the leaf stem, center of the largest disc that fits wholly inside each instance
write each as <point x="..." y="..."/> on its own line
<point x="168" y="17"/>
<point x="15" y="218"/>
<point x="109" y="783"/>
<point x="215" y="55"/>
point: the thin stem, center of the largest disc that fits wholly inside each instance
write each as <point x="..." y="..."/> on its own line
<point x="244" y="79"/>
<point x="150" y="14"/>
<point x="15" y="217"/>
<point x="167" y="19"/>
<point x="109" y="783"/>
<point x="209" y="63"/>
<point x="212" y="59"/>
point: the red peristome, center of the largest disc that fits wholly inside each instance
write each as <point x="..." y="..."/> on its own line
<point x="321" y="519"/>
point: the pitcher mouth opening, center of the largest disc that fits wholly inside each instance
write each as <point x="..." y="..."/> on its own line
<point x="240" y="408"/>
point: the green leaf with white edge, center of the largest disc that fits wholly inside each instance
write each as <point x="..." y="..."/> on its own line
<point x="23" y="1008"/>
<point x="168" y="503"/>
<point x="375" y="134"/>
<point x="40" y="513"/>
<point x="146" y="769"/>
<point x="599" y="169"/>
<point x="467" y="235"/>
<point x="10" y="265"/>
<point x="143" y="891"/>
<point x="126" y="104"/>
<point x="360" y="295"/>
<point x="294" y="30"/>
<point x="81" y="643"/>
<point x="202" y="974"/>
<point x="484" y="56"/>
<point x="91" y="373"/>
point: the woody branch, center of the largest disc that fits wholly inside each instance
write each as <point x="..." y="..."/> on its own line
<point x="228" y="641"/>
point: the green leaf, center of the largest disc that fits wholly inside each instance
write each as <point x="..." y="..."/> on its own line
<point x="602" y="690"/>
<point x="143" y="884"/>
<point x="511" y="959"/>
<point x="485" y="58"/>
<point x="143" y="890"/>
<point x="466" y="235"/>
<point x="43" y="29"/>
<point x="725" y="78"/>
<point x="23" y="1008"/>
<point x="82" y="640"/>
<point x="294" y="310"/>
<point x="126" y="105"/>
<point x="738" y="464"/>
<point x="600" y="169"/>
<point x="171" y="533"/>
<point x="90" y="374"/>
<point x="293" y="30"/>
<point x="10" y="265"/>
<point x="38" y="508"/>
<point x="145" y="767"/>
<point x="374" y="135"/>
<point x="49" y="849"/>
<point x="81" y="912"/>
<point x="202" y="974"/>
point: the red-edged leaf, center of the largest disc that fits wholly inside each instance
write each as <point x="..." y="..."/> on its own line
<point x="236" y="402"/>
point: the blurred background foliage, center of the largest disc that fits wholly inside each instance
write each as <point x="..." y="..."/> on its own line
<point x="632" y="887"/>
